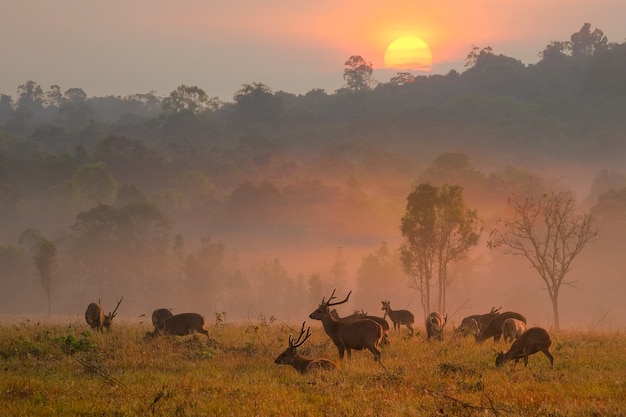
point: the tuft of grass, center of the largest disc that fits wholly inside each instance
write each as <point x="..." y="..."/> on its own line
<point x="57" y="370"/>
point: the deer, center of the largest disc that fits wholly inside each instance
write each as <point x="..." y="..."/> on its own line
<point x="482" y="320"/>
<point x="363" y="315"/>
<point x="434" y="325"/>
<point x="184" y="324"/>
<point x="494" y="328"/>
<point x="95" y="318"/>
<point x="159" y="316"/>
<point x="398" y="317"/>
<point x="533" y="340"/>
<point x="512" y="329"/>
<point x="301" y="364"/>
<point x="349" y="335"/>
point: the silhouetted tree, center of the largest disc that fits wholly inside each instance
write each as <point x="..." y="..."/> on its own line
<point x="358" y="74"/>
<point x="548" y="233"/>
<point x="439" y="230"/>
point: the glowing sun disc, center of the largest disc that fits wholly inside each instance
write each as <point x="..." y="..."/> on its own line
<point x="408" y="53"/>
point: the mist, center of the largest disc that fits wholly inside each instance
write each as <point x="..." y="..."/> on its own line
<point x="262" y="207"/>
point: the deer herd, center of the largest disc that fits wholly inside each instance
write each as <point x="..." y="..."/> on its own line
<point x="361" y="331"/>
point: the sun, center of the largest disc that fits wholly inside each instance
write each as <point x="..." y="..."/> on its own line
<point x="408" y="53"/>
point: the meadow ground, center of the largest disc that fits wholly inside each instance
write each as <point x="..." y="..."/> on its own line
<point x="61" y="369"/>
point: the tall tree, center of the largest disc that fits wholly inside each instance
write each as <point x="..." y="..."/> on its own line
<point x="44" y="253"/>
<point x="439" y="230"/>
<point x="547" y="231"/>
<point x="190" y="98"/>
<point x="358" y="74"/>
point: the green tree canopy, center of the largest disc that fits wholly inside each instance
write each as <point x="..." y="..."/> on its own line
<point x="439" y="230"/>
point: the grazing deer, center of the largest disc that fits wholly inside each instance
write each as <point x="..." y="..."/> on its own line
<point x="184" y="324"/>
<point x="398" y="317"/>
<point x="352" y="334"/>
<point x="303" y="365"/>
<point x="482" y="320"/>
<point x="494" y="328"/>
<point x="159" y="316"/>
<point x="512" y="329"/>
<point x="530" y="342"/>
<point x="434" y="325"/>
<point x="95" y="318"/>
<point x="363" y="315"/>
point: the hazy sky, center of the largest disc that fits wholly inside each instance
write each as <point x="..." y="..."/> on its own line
<point x="121" y="47"/>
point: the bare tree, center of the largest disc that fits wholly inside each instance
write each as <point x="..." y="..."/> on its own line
<point x="547" y="231"/>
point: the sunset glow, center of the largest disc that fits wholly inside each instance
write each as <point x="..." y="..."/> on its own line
<point x="408" y="53"/>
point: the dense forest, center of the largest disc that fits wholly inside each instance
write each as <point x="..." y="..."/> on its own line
<point x="264" y="204"/>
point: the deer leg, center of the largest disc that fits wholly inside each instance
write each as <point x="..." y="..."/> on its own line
<point x="549" y="355"/>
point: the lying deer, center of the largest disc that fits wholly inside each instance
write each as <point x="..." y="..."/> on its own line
<point x="303" y="365"/>
<point x="348" y="335"/>
<point x="398" y="317"/>
<point x="530" y="342"/>
<point x="95" y="318"/>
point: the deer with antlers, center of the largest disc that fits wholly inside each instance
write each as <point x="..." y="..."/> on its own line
<point x="95" y="318"/>
<point x="301" y="364"/>
<point x="349" y="335"/>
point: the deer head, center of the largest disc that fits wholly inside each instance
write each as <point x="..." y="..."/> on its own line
<point x="108" y="319"/>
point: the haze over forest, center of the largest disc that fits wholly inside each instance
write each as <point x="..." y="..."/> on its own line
<point x="263" y="205"/>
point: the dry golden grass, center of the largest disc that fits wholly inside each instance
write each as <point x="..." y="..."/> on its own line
<point x="66" y="369"/>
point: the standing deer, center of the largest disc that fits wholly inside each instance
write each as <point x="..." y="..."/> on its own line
<point x="95" y="318"/>
<point x="364" y="315"/>
<point x="348" y="335"/>
<point x="482" y="320"/>
<point x="530" y="342"/>
<point x="159" y="316"/>
<point x="434" y="325"/>
<point x="303" y="365"/>
<point x="512" y="329"/>
<point x="494" y="328"/>
<point x="184" y="324"/>
<point x="398" y="317"/>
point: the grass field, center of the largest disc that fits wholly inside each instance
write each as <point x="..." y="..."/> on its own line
<point x="67" y="370"/>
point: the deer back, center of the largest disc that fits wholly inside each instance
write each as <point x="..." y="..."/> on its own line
<point x="184" y="323"/>
<point x="494" y="328"/>
<point x="94" y="316"/>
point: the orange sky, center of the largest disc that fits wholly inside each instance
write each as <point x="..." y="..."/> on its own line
<point x="134" y="46"/>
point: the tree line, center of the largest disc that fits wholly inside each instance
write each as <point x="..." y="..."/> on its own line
<point x="105" y="192"/>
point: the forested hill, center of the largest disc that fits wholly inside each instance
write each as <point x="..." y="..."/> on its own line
<point x="273" y="169"/>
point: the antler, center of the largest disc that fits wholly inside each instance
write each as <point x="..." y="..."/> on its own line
<point x="116" y="307"/>
<point x="328" y="303"/>
<point x="298" y="342"/>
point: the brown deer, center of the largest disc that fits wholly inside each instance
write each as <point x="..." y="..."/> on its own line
<point x="349" y="335"/>
<point x="494" y="328"/>
<point x="184" y="324"/>
<point x="303" y="365"/>
<point x="434" y="325"/>
<point x="512" y="329"/>
<point x="398" y="317"/>
<point x="363" y="315"/>
<point x="159" y="316"/>
<point x="530" y="342"/>
<point x="482" y="320"/>
<point x="95" y="318"/>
